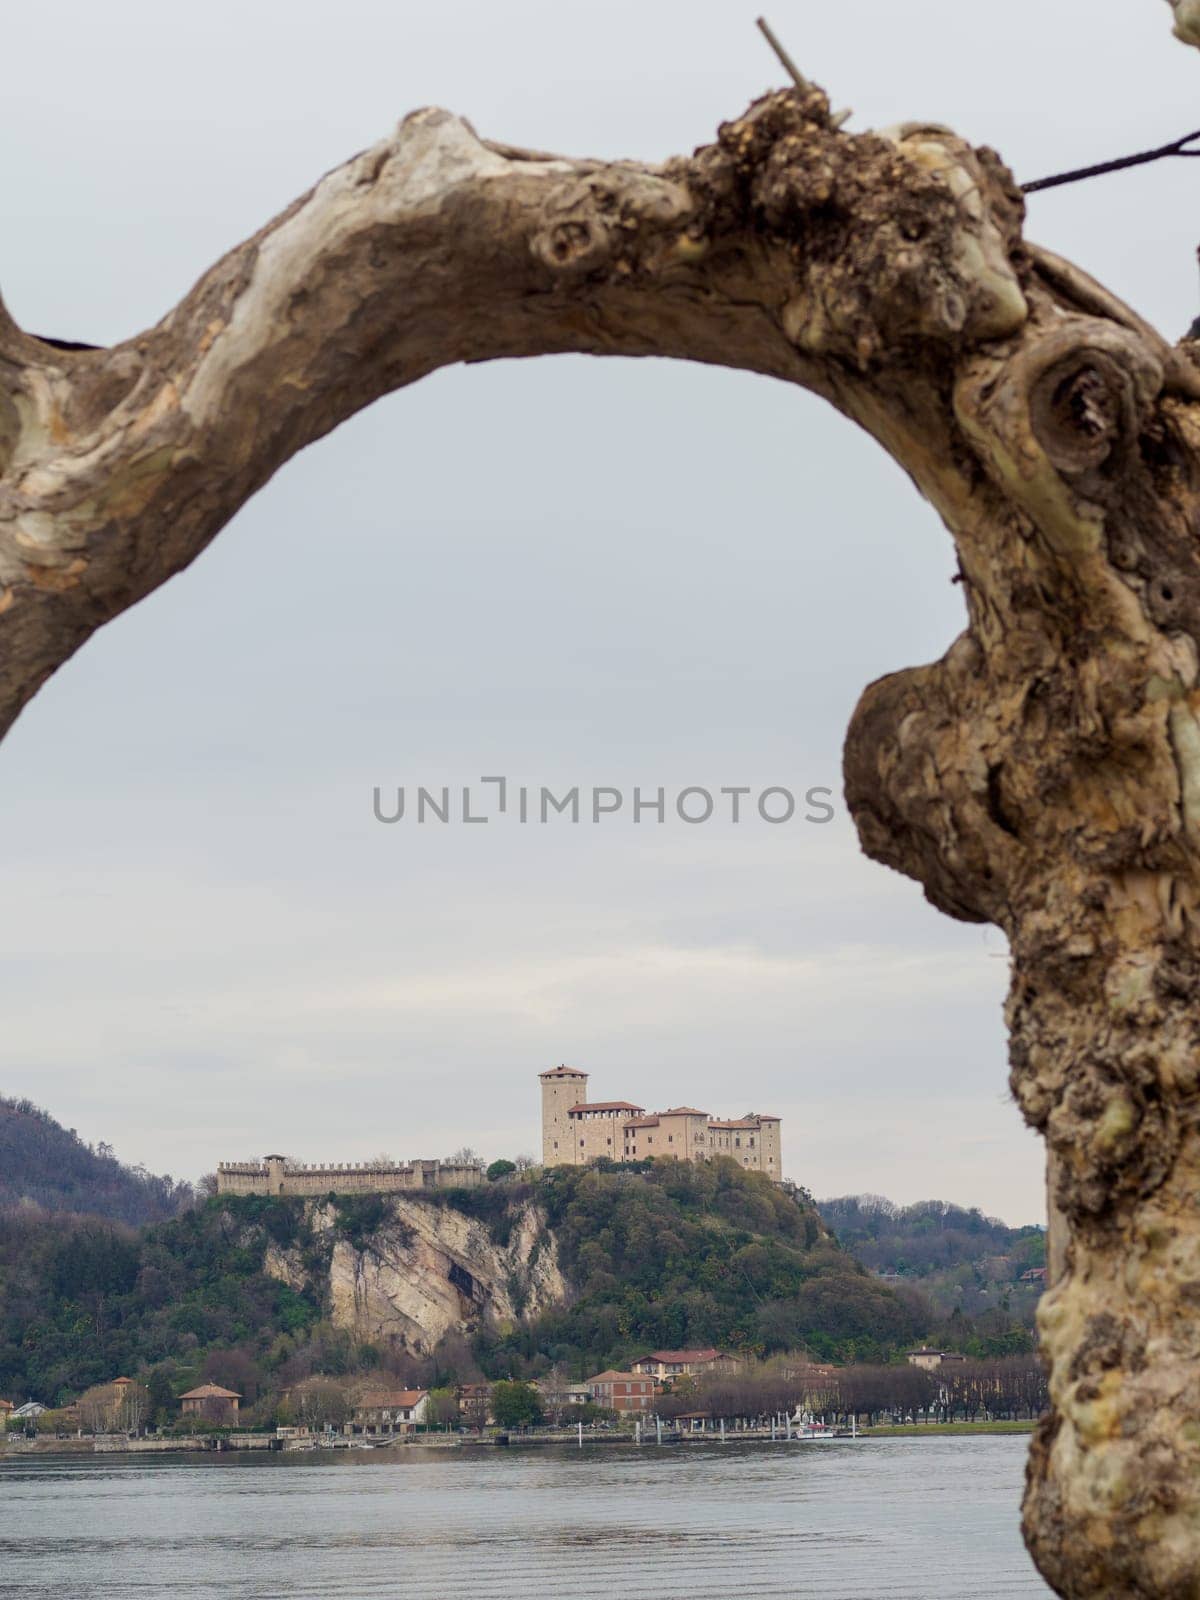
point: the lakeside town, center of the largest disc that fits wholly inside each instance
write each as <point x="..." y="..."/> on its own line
<point x="697" y="1394"/>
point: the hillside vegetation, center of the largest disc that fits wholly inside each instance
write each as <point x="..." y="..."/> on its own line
<point x="44" y="1164"/>
<point x="680" y="1253"/>
<point x="969" y="1265"/>
<point x="667" y="1255"/>
<point x="654" y="1256"/>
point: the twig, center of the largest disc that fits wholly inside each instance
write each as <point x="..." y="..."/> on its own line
<point x="1175" y="148"/>
<point x="789" y="66"/>
<point x="838" y="118"/>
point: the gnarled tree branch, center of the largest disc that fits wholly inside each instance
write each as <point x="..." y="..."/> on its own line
<point x="785" y="249"/>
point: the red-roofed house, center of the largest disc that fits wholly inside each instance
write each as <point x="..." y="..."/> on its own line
<point x="211" y="1403"/>
<point x="662" y="1364"/>
<point x="389" y="1411"/>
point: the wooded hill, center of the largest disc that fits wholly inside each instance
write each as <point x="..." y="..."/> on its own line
<point x="670" y="1254"/>
<point x="50" y="1166"/>
<point x="655" y="1256"/>
<point x="968" y="1265"/>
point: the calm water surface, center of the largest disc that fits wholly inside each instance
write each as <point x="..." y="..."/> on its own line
<point x="885" y="1519"/>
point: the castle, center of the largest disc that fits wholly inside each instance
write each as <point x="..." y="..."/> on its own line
<point x="278" y="1175"/>
<point x="576" y="1131"/>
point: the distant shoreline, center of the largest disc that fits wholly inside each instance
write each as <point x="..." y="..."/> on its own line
<point x="11" y="1452"/>
<point x="943" y="1430"/>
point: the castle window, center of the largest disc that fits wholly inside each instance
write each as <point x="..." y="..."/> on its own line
<point x="582" y="1142"/>
<point x="609" y="1141"/>
<point x="670" y="1138"/>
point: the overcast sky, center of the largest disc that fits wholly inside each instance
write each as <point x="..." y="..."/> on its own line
<point x="565" y="571"/>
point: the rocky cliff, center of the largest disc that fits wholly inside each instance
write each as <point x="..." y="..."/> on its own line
<point x="423" y="1271"/>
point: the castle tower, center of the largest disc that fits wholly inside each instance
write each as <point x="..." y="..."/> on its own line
<point x="562" y="1088"/>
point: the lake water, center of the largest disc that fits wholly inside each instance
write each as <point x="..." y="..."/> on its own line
<point x="877" y="1519"/>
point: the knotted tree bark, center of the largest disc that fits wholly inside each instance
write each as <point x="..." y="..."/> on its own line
<point x="1044" y="775"/>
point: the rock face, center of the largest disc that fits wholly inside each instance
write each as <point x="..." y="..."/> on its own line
<point x="429" y="1270"/>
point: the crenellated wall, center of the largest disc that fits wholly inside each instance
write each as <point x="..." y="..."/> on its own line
<point x="276" y="1175"/>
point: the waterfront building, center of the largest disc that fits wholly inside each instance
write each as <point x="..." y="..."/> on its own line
<point x="630" y="1393"/>
<point x="211" y="1403"/>
<point x="389" y="1411"/>
<point x="663" y="1364"/>
<point x="930" y="1360"/>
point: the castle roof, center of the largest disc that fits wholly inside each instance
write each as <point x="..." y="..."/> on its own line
<point x="642" y="1122"/>
<point x="211" y="1391"/>
<point x="614" y="1377"/>
<point x="604" y="1105"/>
<point x="683" y="1111"/>
<point x="742" y="1122"/>
<point x="563" y="1072"/>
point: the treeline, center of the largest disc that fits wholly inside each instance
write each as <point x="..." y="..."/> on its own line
<point x="85" y="1299"/>
<point x="960" y="1391"/>
<point x="967" y="1264"/>
<point x="928" y="1237"/>
<point x="46" y="1165"/>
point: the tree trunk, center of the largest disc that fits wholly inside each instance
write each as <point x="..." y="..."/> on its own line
<point x="1044" y="775"/>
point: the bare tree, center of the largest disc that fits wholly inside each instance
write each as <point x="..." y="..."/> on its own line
<point x="1043" y="776"/>
<point x="114" y="1408"/>
<point x="134" y="1412"/>
<point x="98" y="1407"/>
<point x="320" y="1402"/>
<point x="476" y="1407"/>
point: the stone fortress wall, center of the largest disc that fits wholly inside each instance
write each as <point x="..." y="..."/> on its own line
<point x="277" y="1175"/>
